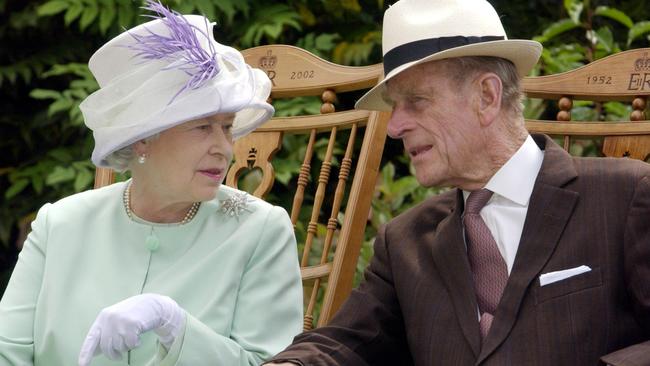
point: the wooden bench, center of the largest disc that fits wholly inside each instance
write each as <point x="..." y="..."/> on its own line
<point x="622" y="77"/>
<point x="335" y="185"/>
<point x="333" y="192"/>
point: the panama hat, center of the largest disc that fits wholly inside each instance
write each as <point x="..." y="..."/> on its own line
<point x="418" y="31"/>
<point x="166" y="72"/>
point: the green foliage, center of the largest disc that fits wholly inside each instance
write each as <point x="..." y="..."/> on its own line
<point x="556" y="29"/>
<point x="637" y="30"/>
<point x="597" y="26"/>
<point x="269" y="22"/>
<point x="585" y="35"/>
<point x="103" y="13"/>
<point x="320" y="45"/>
<point x="355" y="52"/>
<point x="60" y="165"/>
<point x="615" y="14"/>
<point x="52" y="7"/>
<point x="297" y="106"/>
<point x="68" y="100"/>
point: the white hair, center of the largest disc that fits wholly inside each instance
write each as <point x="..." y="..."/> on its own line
<point x="120" y="160"/>
<point x="464" y="68"/>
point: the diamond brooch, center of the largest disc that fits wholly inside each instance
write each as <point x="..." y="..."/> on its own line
<point x="236" y="204"/>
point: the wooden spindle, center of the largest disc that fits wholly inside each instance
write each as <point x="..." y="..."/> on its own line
<point x="303" y="179"/>
<point x="104" y="177"/>
<point x="319" y="196"/>
<point x="638" y="109"/>
<point x="308" y="322"/>
<point x="344" y="173"/>
<point x="564" y="115"/>
<point x="328" y="97"/>
<point x="332" y="222"/>
<point x="323" y="178"/>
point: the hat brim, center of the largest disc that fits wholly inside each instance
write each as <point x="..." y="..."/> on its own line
<point x="523" y="53"/>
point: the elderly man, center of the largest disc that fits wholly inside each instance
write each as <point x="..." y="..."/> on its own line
<point x="537" y="258"/>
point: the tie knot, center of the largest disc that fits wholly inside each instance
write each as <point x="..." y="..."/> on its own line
<point x="476" y="201"/>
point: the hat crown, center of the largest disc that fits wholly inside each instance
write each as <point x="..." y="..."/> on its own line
<point x="115" y="58"/>
<point x="409" y="21"/>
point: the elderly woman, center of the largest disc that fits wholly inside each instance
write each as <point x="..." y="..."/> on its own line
<point x="169" y="267"/>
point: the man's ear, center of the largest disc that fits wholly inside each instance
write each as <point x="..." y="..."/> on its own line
<point x="490" y="88"/>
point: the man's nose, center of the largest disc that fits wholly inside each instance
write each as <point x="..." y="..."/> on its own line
<point x="398" y="123"/>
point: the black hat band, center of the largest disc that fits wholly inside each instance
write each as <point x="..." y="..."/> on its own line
<point x="416" y="50"/>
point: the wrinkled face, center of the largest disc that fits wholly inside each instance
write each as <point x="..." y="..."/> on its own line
<point x="188" y="162"/>
<point x="435" y="119"/>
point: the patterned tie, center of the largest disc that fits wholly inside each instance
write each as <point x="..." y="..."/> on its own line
<point x="489" y="270"/>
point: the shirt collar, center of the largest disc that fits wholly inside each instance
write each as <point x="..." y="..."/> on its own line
<point x="516" y="178"/>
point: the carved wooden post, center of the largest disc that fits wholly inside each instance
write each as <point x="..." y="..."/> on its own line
<point x="564" y="115"/>
<point x="255" y="151"/>
<point x="638" y="106"/>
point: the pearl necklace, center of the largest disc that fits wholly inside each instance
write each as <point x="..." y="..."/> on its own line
<point x="126" y="199"/>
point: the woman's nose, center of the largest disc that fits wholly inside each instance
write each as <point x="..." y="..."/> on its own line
<point x="222" y="142"/>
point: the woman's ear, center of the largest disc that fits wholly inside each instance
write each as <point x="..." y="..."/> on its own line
<point x="490" y="88"/>
<point x="140" y="147"/>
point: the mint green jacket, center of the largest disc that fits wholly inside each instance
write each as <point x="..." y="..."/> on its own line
<point x="237" y="278"/>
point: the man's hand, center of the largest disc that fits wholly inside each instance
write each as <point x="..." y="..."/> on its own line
<point x="117" y="328"/>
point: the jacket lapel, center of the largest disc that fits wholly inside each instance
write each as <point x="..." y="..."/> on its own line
<point x="450" y="257"/>
<point x="549" y="210"/>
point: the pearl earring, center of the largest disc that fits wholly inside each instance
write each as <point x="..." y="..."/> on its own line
<point x="142" y="158"/>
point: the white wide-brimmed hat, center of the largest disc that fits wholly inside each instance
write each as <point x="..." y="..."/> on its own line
<point x="418" y="31"/>
<point x="166" y="72"/>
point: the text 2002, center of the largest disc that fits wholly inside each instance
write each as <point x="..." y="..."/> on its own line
<point x="309" y="74"/>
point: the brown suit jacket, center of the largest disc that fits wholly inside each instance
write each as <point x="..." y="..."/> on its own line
<point x="417" y="304"/>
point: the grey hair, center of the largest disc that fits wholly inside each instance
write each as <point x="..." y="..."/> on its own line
<point x="120" y="160"/>
<point x="462" y="69"/>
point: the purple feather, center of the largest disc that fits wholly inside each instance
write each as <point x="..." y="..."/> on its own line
<point x="181" y="44"/>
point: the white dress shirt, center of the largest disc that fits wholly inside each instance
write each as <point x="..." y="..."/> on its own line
<point x="505" y="212"/>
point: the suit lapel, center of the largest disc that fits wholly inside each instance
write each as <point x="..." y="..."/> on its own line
<point x="450" y="257"/>
<point x="549" y="210"/>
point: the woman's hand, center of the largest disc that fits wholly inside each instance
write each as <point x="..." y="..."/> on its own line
<point x="118" y="327"/>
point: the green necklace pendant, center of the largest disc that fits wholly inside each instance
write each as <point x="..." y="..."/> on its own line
<point x="152" y="242"/>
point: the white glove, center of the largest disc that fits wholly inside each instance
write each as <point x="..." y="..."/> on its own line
<point x="118" y="327"/>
